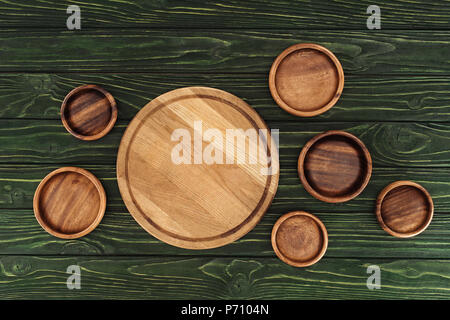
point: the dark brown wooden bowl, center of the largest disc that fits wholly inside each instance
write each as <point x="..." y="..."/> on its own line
<point x="404" y="209"/>
<point x="89" y="112"/>
<point x="299" y="239"/>
<point x="334" y="166"/>
<point x="69" y="202"/>
<point x="306" y="79"/>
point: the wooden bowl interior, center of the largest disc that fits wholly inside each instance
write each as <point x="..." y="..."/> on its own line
<point x="88" y="112"/>
<point x="406" y="209"/>
<point x="307" y="80"/>
<point x="69" y="203"/>
<point x="336" y="166"/>
<point x="299" y="239"/>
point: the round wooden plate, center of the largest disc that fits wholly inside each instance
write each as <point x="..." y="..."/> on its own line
<point x="196" y="203"/>
<point x="334" y="166"/>
<point x="306" y="79"/>
<point x="89" y="112"/>
<point x="404" y="209"/>
<point x="69" y="202"/>
<point x="299" y="239"/>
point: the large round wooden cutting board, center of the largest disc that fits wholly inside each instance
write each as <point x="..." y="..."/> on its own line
<point x="222" y="185"/>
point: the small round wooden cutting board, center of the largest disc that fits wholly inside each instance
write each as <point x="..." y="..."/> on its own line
<point x="197" y="168"/>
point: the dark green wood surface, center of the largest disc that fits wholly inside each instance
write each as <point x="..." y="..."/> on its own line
<point x="224" y="51"/>
<point x="219" y="278"/>
<point x="253" y="14"/>
<point x="365" y="98"/>
<point x="396" y="99"/>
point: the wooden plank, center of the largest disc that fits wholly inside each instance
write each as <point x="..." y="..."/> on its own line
<point x="218" y="51"/>
<point x="27" y="277"/>
<point x="352" y="226"/>
<point x="351" y="234"/>
<point x="18" y="183"/>
<point x="365" y="98"/>
<point x="390" y="143"/>
<point x="349" y="14"/>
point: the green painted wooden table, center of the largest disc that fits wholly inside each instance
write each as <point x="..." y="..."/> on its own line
<point x="396" y="99"/>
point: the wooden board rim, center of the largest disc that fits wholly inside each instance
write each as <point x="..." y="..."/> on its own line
<point x="145" y="222"/>
<point x="315" y="193"/>
<point x="284" y="258"/>
<point x="102" y="207"/>
<point x="112" y="105"/>
<point x="272" y="79"/>
<point x="391" y="187"/>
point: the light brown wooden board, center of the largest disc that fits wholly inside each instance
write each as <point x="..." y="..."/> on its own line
<point x="194" y="203"/>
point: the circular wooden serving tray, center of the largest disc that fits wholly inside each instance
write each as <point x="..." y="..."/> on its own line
<point x="334" y="166"/>
<point x="299" y="239"/>
<point x="195" y="205"/>
<point x="306" y="79"/>
<point x="404" y="209"/>
<point x="89" y="112"/>
<point x="69" y="202"/>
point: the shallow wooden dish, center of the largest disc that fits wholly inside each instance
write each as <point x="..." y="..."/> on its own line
<point x="334" y="166"/>
<point x="89" y="112"/>
<point x="306" y="79"/>
<point x="299" y="239"/>
<point x="69" y="202"/>
<point x="404" y="209"/>
<point x="187" y="204"/>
